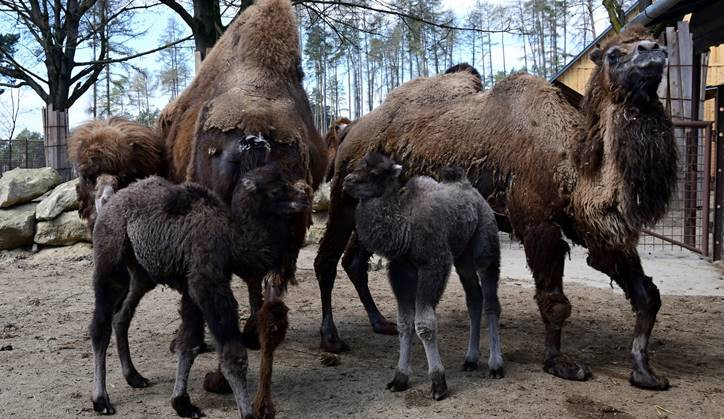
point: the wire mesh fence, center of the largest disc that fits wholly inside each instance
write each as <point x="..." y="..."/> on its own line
<point x="21" y="153"/>
<point x="687" y="223"/>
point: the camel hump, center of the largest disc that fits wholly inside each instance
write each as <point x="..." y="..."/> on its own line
<point x="462" y="68"/>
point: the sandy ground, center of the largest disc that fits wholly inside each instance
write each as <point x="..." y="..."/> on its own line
<point x="46" y="301"/>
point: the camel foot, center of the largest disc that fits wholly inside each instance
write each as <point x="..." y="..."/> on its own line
<point x="439" y="386"/>
<point x="214" y="382"/>
<point x="400" y="382"/>
<point x="264" y="408"/>
<point x="103" y="406"/>
<point x="648" y="380"/>
<point x="496" y="373"/>
<point x="384" y="327"/>
<point x="470" y="365"/>
<point x="183" y="407"/>
<point x="136" y="380"/>
<point x="332" y="343"/>
<point x="562" y="367"/>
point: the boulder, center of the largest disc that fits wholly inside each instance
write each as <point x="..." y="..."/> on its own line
<point x="321" y="198"/>
<point x="61" y="199"/>
<point x="16" y="226"/>
<point x="64" y="230"/>
<point x="22" y="185"/>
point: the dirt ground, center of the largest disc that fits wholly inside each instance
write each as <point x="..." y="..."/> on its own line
<point x="46" y="301"/>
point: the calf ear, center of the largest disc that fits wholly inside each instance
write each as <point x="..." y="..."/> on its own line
<point x="396" y="170"/>
<point x="596" y="55"/>
<point x="248" y="185"/>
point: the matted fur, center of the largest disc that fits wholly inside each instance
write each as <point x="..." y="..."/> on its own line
<point x="115" y="146"/>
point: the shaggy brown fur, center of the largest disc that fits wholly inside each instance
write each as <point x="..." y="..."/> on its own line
<point x="598" y="175"/>
<point x="248" y="106"/>
<point x="333" y="139"/>
<point x="115" y="146"/>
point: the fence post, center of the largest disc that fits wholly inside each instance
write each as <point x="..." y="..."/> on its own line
<point x="719" y="192"/>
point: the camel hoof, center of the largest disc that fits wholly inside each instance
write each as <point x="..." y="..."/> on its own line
<point x="264" y="410"/>
<point x="439" y="386"/>
<point x="496" y="373"/>
<point x="384" y="327"/>
<point x="567" y="369"/>
<point x="103" y="406"/>
<point x="136" y="380"/>
<point x="470" y="365"/>
<point x="183" y="407"/>
<point x="400" y="382"/>
<point x="648" y="381"/>
<point x="214" y="382"/>
<point x="332" y="343"/>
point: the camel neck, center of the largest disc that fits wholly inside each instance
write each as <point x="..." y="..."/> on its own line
<point x="381" y="227"/>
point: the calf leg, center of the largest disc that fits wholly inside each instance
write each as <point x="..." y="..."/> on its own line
<point x="221" y="312"/>
<point x="403" y="278"/>
<point x="189" y="339"/>
<point x="110" y="287"/>
<point x="474" y="300"/>
<point x="430" y="285"/>
<point x="356" y="262"/>
<point x="624" y="267"/>
<point x="545" y="251"/>
<point x="140" y="285"/>
<point x="489" y="277"/>
<point x="251" y="332"/>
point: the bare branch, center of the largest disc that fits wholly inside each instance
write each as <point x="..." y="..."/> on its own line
<point x="130" y="57"/>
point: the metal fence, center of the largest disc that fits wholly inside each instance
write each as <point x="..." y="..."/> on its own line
<point x="21" y="153"/>
<point x="687" y="224"/>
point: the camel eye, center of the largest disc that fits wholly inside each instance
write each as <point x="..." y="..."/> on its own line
<point x="614" y="55"/>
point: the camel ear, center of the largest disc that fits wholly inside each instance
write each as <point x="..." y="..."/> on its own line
<point x="396" y="170"/>
<point x="596" y="55"/>
<point x="248" y="185"/>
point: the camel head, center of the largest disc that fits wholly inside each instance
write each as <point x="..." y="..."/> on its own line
<point x="375" y="175"/>
<point x="106" y="185"/>
<point x="630" y="66"/>
<point x="268" y="189"/>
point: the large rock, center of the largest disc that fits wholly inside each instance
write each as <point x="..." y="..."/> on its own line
<point x="321" y="198"/>
<point x="64" y="230"/>
<point x="16" y="226"/>
<point x="61" y="199"/>
<point x="316" y="230"/>
<point x="22" y="185"/>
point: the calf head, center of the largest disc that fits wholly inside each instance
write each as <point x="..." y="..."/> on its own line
<point x="374" y="176"/>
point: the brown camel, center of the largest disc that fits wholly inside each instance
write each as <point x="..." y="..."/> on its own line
<point x="248" y="106"/>
<point x="598" y="175"/>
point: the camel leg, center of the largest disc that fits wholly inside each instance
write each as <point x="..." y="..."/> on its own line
<point x="403" y="279"/>
<point x="140" y="286"/>
<point x="545" y="251"/>
<point x="110" y="287"/>
<point x="356" y="262"/>
<point x="430" y="286"/>
<point x="221" y="312"/>
<point x="189" y="339"/>
<point x="273" y="324"/>
<point x="474" y="301"/>
<point x="489" y="278"/>
<point x="339" y="228"/>
<point x="625" y="268"/>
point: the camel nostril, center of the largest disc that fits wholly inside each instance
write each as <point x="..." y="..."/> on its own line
<point x="642" y="48"/>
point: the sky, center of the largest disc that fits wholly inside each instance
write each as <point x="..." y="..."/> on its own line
<point x="152" y="24"/>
